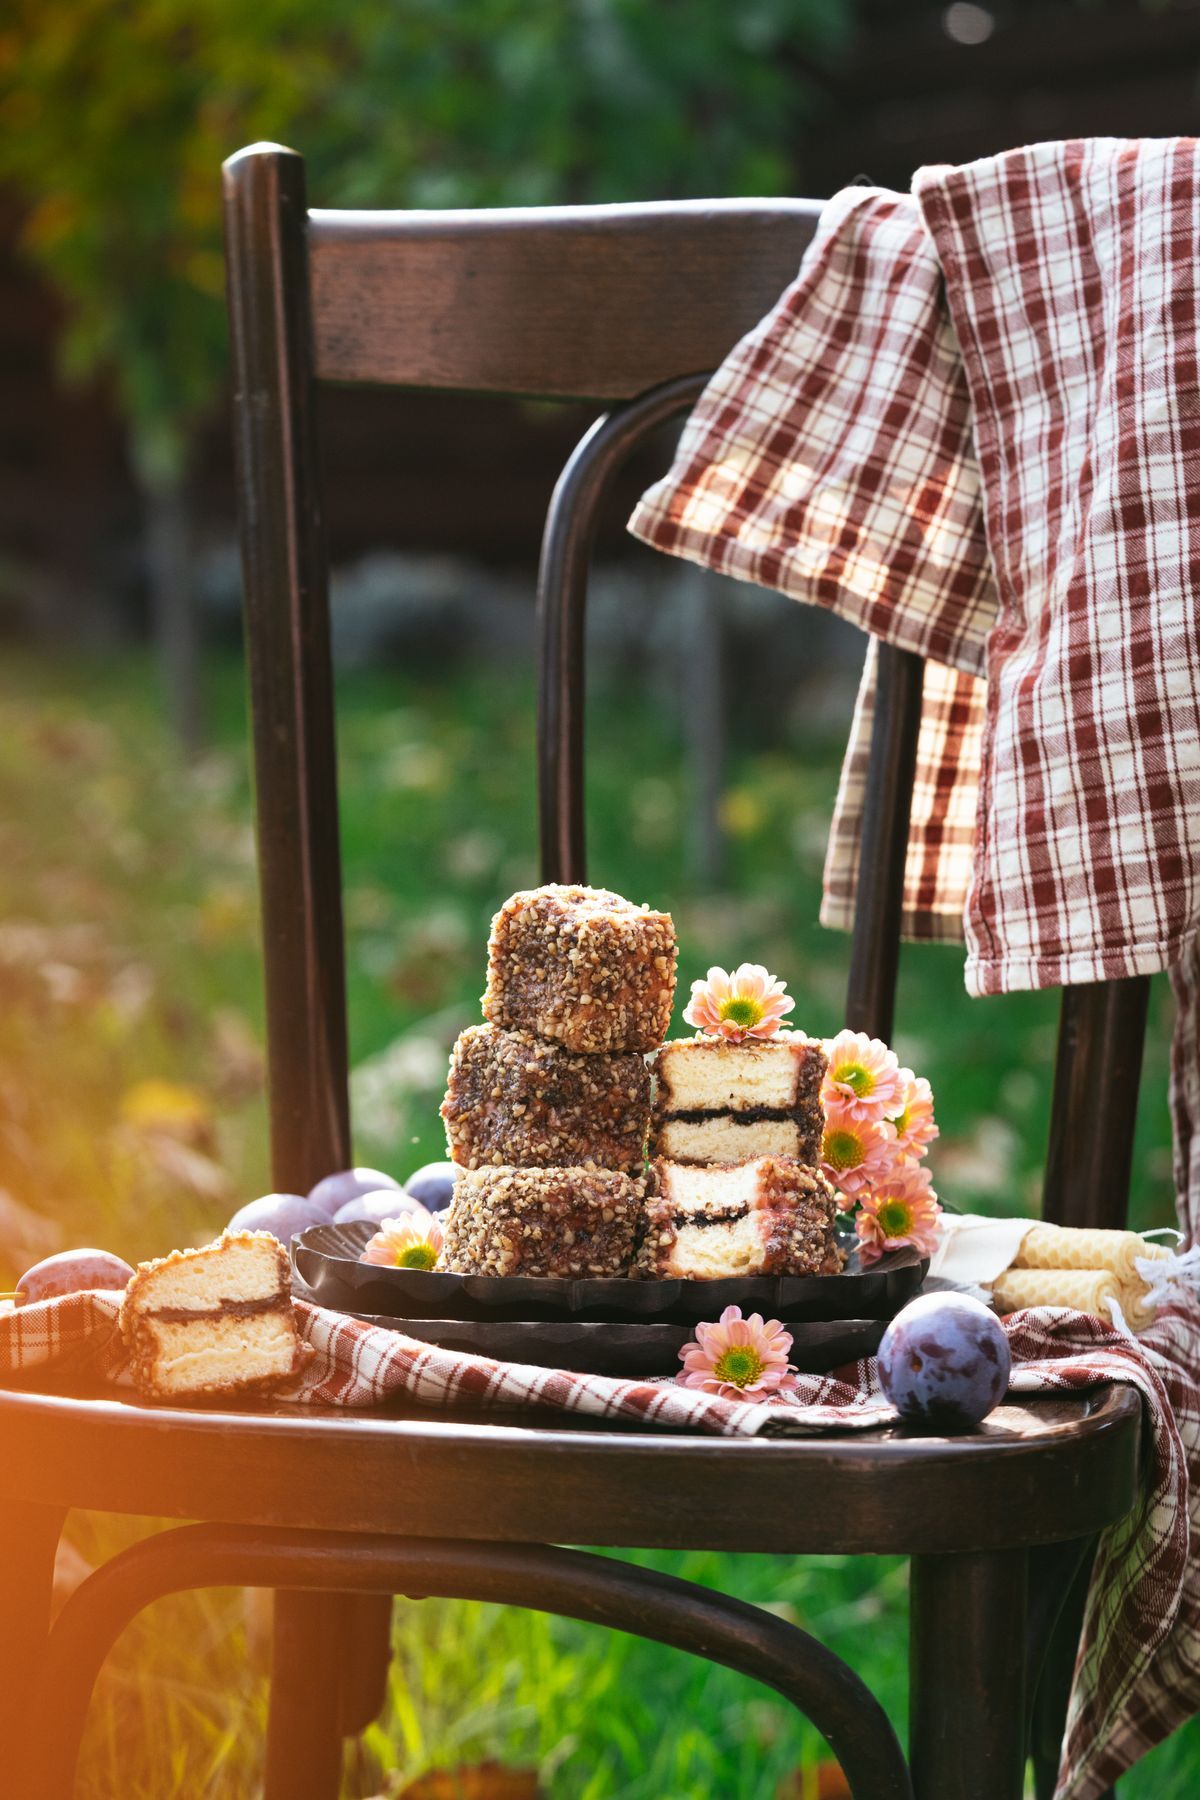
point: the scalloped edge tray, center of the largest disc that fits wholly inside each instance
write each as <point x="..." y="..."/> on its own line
<point x="326" y="1259"/>
<point x="633" y="1351"/>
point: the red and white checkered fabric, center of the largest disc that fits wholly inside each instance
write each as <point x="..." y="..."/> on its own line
<point x="1136" y="1677"/>
<point x="972" y="426"/>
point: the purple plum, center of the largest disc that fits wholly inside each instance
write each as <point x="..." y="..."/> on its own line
<point x="72" y="1272"/>
<point x="388" y="1203"/>
<point x="334" y="1191"/>
<point x="285" y="1216"/>
<point x="433" y="1185"/>
<point x="944" y="1361"/>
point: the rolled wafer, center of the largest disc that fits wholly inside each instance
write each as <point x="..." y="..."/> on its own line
<point x="1136" y="1306"/>
<point x="1083" y="1247"/>
<point x="1084" y="1290"/>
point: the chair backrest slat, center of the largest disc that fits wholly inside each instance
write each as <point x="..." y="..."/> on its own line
<point x="558" y="302"/>
<point x="1089" y="1157"/>
<point x="288" y="650"/>
<point x="879" y="896"/>
<point x="562" y="601"/>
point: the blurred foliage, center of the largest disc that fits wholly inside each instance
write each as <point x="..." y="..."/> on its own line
<point x="114" y="121"/>
<point x="130" y="961"/>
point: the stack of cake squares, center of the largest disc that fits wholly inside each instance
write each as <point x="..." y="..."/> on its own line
<point x="548" y="1105"/>
<point x="735" y="1187"/>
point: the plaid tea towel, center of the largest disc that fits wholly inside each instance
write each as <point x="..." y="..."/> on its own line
<point x="1135" y="1679"/>
<point x="972" y="426"/>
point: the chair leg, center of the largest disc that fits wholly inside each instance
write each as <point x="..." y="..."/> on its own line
<point x="967" y="1675"/>
<point x="28" y="1542"/>
<point x="366" y="1660"/>
<point x="304" y="1732"/>
<point x="1049" y="1712"/>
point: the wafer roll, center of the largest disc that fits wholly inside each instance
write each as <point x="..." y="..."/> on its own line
<point x="1085" y="1290"/>
<point x="1136" y="1306"/>
<point x="1071" y="1247"/>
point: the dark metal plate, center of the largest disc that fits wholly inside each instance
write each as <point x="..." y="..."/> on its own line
<point x="326" y="1259"/>
<point x="638" y="1350"/>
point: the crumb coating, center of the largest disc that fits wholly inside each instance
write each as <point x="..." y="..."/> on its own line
<point x="582" y="966"/>
<point x="515" y="1099"/>
<point x="556" y="1222"/>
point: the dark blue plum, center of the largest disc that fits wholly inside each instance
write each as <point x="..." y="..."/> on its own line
<point x="285" y="1216"/>
<point x="433" y="1185"/>
<point x="388" y="1203"/>
<point x="72" y="1272"/>
<point x="334" y="1191"/>
<point x="944" y="1362"/>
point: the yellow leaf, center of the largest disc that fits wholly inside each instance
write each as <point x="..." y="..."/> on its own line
<point x="742" y="812"/>
<point x="166" y="1106"/>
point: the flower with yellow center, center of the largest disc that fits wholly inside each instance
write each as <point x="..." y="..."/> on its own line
<point x="914" y="1124"/>
<point x="902" y="1209"/>
<point x="408" y="1242"/>
<point x="749" y="1003"/>
<point x="863" y="1077"/>
<point x="744" y="1359"/>
<point x="854" y="1152"/>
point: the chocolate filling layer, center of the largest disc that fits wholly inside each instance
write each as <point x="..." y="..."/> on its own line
<point x="228" y="1309"/>
<point x="731" y="1215"/>
<point x="750" y="1115"/>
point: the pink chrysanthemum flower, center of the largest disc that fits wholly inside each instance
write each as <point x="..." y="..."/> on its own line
<point x="914" y="1123"/>
<point x="408" y="1242"/>
<point x="901" y="1209"/>
<point x="863" y="1076"/>
<point x="855" y="1153"/>
<point x="744" y="1359"/>
<point x="749" y="1003"/>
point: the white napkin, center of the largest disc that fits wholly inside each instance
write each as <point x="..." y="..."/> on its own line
<point x="972" y="1250"/>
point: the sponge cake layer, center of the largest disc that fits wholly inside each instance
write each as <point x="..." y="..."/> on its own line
<point x="721" y="1102"/>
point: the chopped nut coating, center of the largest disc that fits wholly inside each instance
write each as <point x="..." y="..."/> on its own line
<point x="557" y="1222"/>
<point x="516" y="1099"/>
<point x="582" y="966"/>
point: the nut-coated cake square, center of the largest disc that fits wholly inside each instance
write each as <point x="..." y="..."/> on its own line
<point x="518" y="1099"/>
<point x="582" y="966"/>
<point x="567" y="1223"/>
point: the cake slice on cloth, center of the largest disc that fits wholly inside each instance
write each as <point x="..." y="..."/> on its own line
<point x="721" y="1102"/>
<point x="765" y="1216"/>
<point x="213" y="1321"/>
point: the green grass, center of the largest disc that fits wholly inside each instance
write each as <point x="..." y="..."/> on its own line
<point x="129" y="955"/>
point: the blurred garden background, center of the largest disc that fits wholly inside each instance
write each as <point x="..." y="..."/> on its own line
<point x="131" y="1066"/>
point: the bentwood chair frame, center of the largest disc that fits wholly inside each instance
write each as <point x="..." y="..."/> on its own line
<point x="629" y="307"/>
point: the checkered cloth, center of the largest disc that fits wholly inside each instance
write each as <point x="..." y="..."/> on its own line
<point x="1136" y="1676"/>
<point x="972" y="426"/>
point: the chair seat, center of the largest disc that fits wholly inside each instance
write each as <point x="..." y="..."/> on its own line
<point x="1037" y="1471"/>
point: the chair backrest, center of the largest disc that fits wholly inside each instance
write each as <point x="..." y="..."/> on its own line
<point x="628" y="304"/>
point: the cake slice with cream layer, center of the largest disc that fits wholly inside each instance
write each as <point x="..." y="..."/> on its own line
<point x="213" y="1321"/>
<point x="766" y="1216"/>
<point x="717" y="1102"/>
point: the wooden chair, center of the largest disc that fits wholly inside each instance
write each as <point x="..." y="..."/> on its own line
<point x="629" y="306"/>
